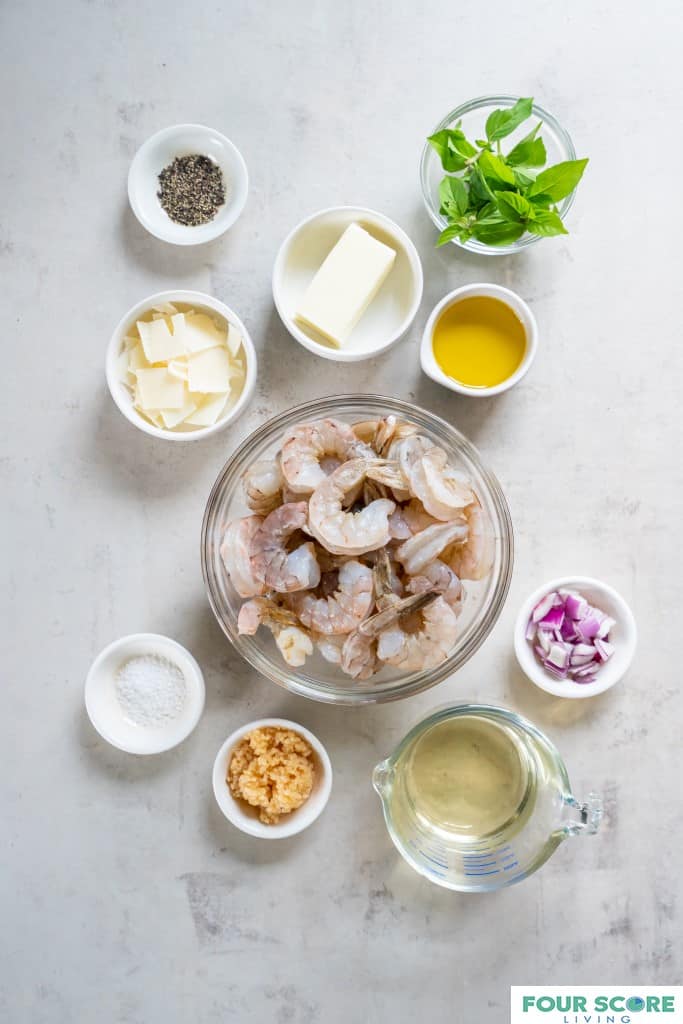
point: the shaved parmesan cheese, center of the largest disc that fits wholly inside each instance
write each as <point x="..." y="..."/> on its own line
<point x="158" y="342"/>
<point x="182" y="367"/>
<point x="172" y="417"/>
<point x="136" y="359"/>
<point x="157" y="389"/>
<point x="208" y="411"/>
<point x="178" y="368"/>
<point x="209" y="371"/>
<point x="198" y="331"/>
<point x="234" y="341"/>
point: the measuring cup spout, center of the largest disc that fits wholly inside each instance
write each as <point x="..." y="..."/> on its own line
<point x="381" y="777"/>
<point x="582" y="818"/>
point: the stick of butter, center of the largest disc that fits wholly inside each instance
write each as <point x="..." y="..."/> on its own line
<point x="345" y="285"/>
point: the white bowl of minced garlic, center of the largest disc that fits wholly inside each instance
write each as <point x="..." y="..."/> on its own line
<point x="272" y="778"/>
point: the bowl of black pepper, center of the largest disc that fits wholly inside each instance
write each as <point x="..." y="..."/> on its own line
<point x="187" y="184"/>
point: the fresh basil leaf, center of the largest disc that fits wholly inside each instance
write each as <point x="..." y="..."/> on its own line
<point x="461" y="145"/>
<point x="453" y="195"/>
<point x="495" y="232"/>
<point x="488" y="210"/>
<point x="515" y="207"/>
<point x="529" y="151"/>
<point x="451" y="160"/>
<point x="480" y="191"/>
<point x="523" y="179"/>
<point x="546" y="223"/>
<point x="496" y="171"/>
<point x="453" y="148"/>
<point x="559" y="181"/>
<point x="451" y="232"/>
<point x="503" y="122"/>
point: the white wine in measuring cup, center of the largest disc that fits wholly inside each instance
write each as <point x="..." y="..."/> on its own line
<point x="475" y="798"/>
<point x="467" y="775"/>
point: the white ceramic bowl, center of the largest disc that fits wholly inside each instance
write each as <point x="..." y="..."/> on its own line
<point x="245" y="817"/>
<point x="495" y="291"/>
<point x="390" y="313"/>
<point x="624" y="637"/>
<point x="105" y="712"/>
<point x="122" y="396"/>
<point x="158" y="152"/>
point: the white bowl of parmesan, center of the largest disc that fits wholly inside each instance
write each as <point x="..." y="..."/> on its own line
<point x="181" y="365"/>
<point x="144" y="693"/>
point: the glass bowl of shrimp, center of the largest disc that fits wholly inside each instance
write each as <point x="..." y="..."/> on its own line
<point x="356" y="550"/>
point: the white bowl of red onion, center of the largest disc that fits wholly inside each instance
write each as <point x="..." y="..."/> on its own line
<point x="575" y="637"/>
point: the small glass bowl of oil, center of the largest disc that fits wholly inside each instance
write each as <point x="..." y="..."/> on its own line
<point x="479" y="340"/>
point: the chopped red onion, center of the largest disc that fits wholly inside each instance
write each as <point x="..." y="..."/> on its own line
<point x="553" y="619"/>
<point x="543" y="607"/>
<point x="570" y="637"/>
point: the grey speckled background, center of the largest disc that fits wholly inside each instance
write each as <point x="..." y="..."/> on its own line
<point x="126" y="897"/>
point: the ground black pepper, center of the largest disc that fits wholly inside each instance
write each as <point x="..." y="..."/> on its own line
<point x="191" y="189"/>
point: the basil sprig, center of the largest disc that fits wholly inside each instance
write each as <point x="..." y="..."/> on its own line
<point x="496" y="197"/>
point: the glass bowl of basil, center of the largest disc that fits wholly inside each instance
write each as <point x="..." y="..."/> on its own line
<point x="498" y="174"/>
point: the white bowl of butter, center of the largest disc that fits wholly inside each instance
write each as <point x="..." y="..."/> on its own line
<point x="347" y="283"/>
<point x="180" y="365"/>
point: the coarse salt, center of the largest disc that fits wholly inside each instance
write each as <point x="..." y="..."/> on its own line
<point x="151" y="690"/>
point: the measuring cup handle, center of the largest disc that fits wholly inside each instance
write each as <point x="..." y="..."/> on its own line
<point x="380" y="776"/>
<point x="582" y="818"/>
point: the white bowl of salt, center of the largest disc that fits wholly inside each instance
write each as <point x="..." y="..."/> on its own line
<point x="144" y="693"/>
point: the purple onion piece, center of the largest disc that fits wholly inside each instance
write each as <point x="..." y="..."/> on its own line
<point x="575" y="606"/>
<point x="604" y="649"/>
<point x="553" y="619"/>
<point x="543" y="607"/>
<point x="588" y="628"/>
<point x="606" y="626"/>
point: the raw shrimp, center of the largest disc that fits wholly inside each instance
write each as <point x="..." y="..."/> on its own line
<point x="439" y="578"/>
<point x="474" y="559"/>
<point x="399" y="527"/>
<point x="381" y="433"/>
<point x="424" y="648"/>
<point x="236" y="555"/>
<point x="442" y="490"/>
<point x="342" y="611"/>
<point x="271" y="562"/>
<point x="387" y="584"/>
<point x="425" y="547"/>
<point x="415" y="517"/>
<point x="263" y="486"/>
<point x="394" y="607"/>
<point x="359" y="655"/>
<point x="307" y="448"/>
<point x="294" y="643"/>
<point x="349" y="533"/>
<point x="360" y="651"/>
<point x="330" y="647"/>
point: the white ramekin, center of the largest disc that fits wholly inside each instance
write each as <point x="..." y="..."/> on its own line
<point x="246" y="818"/>
<point x="624" y="636"/>
<point x="469" y="291"/>
<point x="122" y="396"/>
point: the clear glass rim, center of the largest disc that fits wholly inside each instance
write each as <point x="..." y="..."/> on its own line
<point x="415" y="682"/>
<point x="513" y="718"/>
<point x="502" y="100"/>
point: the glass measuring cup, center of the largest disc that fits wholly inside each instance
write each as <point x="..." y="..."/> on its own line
<point x="476" y="798"/>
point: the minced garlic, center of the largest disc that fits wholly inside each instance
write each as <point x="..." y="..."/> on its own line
<point x="272" y="769"/>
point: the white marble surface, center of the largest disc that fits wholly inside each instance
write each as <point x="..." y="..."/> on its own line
<point x="126" y="896"/>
